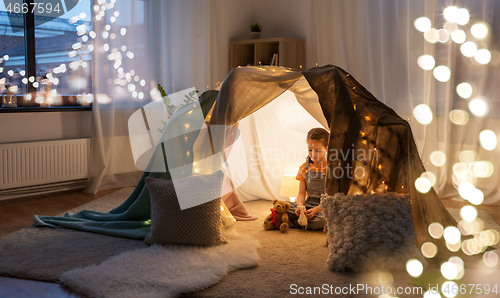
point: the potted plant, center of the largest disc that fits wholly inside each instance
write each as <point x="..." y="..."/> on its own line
<point x="255" y="30"/>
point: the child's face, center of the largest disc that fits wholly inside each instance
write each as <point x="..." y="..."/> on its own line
<point x="317" y="151"/>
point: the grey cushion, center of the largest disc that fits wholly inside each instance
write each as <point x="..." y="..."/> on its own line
<point x="369" y="232"/>
<point x="199" y="225"/>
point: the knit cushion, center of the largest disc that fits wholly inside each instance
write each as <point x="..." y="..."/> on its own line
<point x="199" y="225"/>
<point x="369" y="232"/>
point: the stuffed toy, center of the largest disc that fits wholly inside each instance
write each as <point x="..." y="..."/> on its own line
<point x="278" y="219"/>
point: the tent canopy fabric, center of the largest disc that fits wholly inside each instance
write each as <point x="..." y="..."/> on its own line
<point x="371" y="148"/>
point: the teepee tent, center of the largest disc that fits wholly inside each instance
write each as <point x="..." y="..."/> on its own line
<point x="370" y="149"/>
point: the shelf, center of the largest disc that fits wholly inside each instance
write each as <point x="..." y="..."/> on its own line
<point x="291" y="52"/>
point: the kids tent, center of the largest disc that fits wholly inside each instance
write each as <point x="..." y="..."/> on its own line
<point x="370" y="149"/>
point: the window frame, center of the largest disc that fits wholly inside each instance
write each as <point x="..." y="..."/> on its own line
<point x="30" y="62"/>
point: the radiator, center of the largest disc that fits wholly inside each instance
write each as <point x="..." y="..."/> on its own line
<point x="39" y="163"/>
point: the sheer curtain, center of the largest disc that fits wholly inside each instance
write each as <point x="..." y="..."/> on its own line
<point x="378" y="43"/>
<point x="137" y="45"/>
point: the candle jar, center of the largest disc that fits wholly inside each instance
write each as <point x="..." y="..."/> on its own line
<point x="9" y="98"/>
<point x="9" y="101"/>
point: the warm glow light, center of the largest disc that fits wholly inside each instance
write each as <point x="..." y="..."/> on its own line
<point x="466" y="190"/>
<point x="459" y="117"/>
<point x="462" y="16"/>
<point x="490" y="258"/>
<point x="450" y="27"/>
<point x="430" y="36"/>
<point x="438" y="158"/>
<point x="414" y="267"/>
<point x="479" y="30"/>
<point x="423" y="114"/>
<point x="451" y="13"/>
<point x="468" y="49"/>
<point x="458" y="36"/>
<point x="478" y="107"/>
<point x="436" y="230"/>
<point x="449" y="270"/>
<point x="442" y="73"/>
<point x="464" y="90"/>
<point x="467" y="156"/>
<point x="488" y="139"/>
<point x="423" y="185"/>
<point x="482" y="56"/>
<point x="430" y="176"/>
<point x="468" y="213"/>
<point x="429" y="250"/>
<point x="422" y="24"/>
<point x="426" y="62"/>
<point x="451" y="235"/>
<point x="442" y="35"/>
<point x="481" y="169"/>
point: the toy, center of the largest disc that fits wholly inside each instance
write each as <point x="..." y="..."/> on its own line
<point x="278" y="219"/>
<point x="302" y="218"/>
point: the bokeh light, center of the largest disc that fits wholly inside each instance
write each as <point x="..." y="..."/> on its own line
<point x="422" y="24"/>
<point x="459" y="117"/>
<point x="438" y="158"/>
<point x="468" y="49"/>
<point x="423" y="114"/>
<point x="450" y="27"/>
<point x="442" y="73"/>
<point x="430" y="35"/>
<point x="423" y="185"/>
<point x="430" y="176"/>
<point x="468" y="213"/>
<point x="450" y="13"/>
<point x="449" y="270"/>
<point x="463" y="16"/>
<point x="414" y="267"/>
<point x="488" y="139"/>
<point x="464" y="90"/>
<point x="458" y="36"/>
<point x="442" y="35"/>
<point x="490" y="258"/>
<point x="479" y="30"/>
<point x="481" y="169"/>
<point x="482" y="56"/>
<point x="435" y="230"/>
<point x="426" y="62"/>
<point x="451" y="235"/>
<point x="467" y="156"/>
<point x="478" y="106"/>
<point x="429" y="250"/>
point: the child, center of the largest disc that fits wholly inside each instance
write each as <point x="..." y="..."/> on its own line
<point x="312" y="176"/>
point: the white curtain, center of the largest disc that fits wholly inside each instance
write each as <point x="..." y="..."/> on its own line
<point x="139" y="44"/>
<point x="377" y="42"/>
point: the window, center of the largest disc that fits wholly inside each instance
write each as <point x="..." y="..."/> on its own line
<point x="45" y="52"/>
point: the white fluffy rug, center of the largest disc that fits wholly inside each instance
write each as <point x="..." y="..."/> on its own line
<point x="160" y="271"/>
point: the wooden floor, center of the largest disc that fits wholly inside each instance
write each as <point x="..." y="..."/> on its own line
<point x="18" y="213"/>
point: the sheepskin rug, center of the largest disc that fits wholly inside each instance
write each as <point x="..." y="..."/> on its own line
<point x="164" y="271"/>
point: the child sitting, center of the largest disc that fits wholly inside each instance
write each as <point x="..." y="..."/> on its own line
<point x="312" y="176"/>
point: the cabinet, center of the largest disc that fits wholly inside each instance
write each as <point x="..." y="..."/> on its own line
<point x="291" y="52"/>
